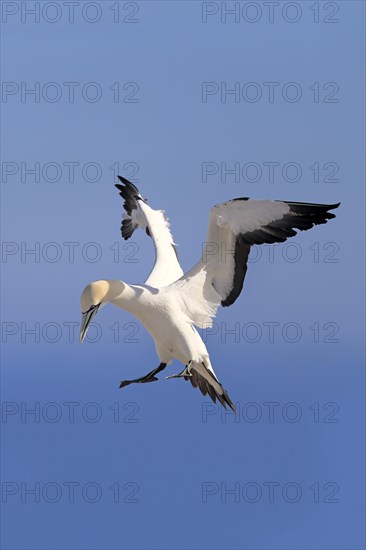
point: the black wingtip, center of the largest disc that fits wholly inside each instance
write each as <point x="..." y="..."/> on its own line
<point x="330" y="206"/>
<point x="316" y="206"/>
<point x="228" y="401"/>
<point x="128" y="183"/>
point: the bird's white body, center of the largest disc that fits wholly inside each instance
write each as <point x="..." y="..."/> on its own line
<point x="162" y="313"/>
<point x="171" y="303"/>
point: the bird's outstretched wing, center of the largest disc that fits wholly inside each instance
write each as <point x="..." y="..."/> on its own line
<point x="234" y="226"/>
<point x="138" y="214"/>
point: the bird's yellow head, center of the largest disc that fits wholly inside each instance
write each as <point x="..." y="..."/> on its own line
<point x="93" y="296"/>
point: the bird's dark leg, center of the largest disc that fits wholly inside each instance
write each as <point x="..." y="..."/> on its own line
<point x="149" y="377"/>
<point x="186" y="372"/>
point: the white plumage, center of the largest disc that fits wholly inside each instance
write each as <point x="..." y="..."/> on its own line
<point x="171" y="303"/>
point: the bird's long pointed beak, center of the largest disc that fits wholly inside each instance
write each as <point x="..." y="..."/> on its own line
<point x="86" y="320"/>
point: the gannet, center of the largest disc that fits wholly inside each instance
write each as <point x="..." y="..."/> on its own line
<point x="170" y="304"/>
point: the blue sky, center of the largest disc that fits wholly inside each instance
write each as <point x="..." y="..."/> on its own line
<point x="175" y="95"/>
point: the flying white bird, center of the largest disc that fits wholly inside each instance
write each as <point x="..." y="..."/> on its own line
<point x="170" y="303"/>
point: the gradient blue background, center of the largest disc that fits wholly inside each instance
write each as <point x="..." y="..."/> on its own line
<point x="170" y="452"/>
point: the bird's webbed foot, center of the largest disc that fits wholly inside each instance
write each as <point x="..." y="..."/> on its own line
<point x="150" y="377"/>
<point x="186" y="372"/>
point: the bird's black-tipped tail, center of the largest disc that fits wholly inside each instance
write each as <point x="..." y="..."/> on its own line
<point x="207" y="383"/>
